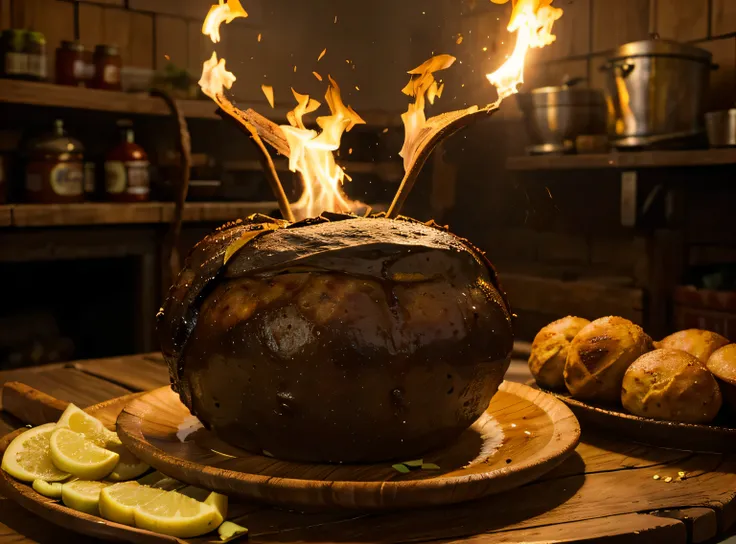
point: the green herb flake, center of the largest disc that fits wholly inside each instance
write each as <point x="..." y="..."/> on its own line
<point x="399" y="467"/>
<point x="414" y="464"/>
<point x="430" y="466"/>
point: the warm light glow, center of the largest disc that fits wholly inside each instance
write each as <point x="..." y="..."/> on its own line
<point x="221" y="13"/>
<point x="532" y="21"/>
<point x="311" y="153"/>
<point x="215" y="78"/>
<point x="422" y="87"/>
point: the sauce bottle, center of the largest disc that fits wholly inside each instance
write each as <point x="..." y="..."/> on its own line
<point x="71" y="66"/>
<point x="14" y="58"/>
<point x="35" y="50"/>
<point x="108" y="64"/>
<point x="55" y="168"/>
<point x="127" y="170"/>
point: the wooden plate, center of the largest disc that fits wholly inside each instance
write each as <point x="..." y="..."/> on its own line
<point x="58" y="514"/>
<point x="524" y="434"/>
<point x="654" y="432"/>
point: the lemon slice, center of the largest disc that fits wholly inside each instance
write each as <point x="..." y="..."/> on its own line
<point x="73" y="453"/>
<point x="129" y="467"/>
<point x="118" y="502"/>
<point x="51" y="490"/>
<point x="28" y="456"/>
<point x="177" y="515"/>
<point x="81" y="422"/>
<point x="83" y="495"/>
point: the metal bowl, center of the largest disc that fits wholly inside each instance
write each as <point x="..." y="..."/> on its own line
<point x="721" y="126"/>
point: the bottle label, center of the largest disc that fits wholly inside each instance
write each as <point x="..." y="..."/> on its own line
<point x="111" y="74"/>
<point x="80" y="69"/>
<point x="16" y="63"/>
<point x="115" y="177"/>
<point x="138" y="181"/>
<point x="67" y="179"/>
<point x="36" y="66"/>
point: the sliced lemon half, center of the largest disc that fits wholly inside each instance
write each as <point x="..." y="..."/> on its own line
<point x="129" y="467"/>
<point x="83" y="495"/>
<point x="118" y="502"/>
<point x="81" y="422"/>
<point x="73" y="453"/>
<point x="177" y="515"/>
<point x="28" y="457"/>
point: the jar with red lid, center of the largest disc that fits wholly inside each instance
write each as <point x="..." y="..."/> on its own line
<point x="70" y="64"/>
<point x="108" y="64"/>
<point x="127" y="170"/>
<point x="55" y="168"/>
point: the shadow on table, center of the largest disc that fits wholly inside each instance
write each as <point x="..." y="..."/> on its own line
<point x="35" y="528"/>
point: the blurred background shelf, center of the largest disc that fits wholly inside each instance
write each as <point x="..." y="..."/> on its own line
<point x="391" y="171"/>
<point x="93" y="213"/>
<point x="633" y="160"/>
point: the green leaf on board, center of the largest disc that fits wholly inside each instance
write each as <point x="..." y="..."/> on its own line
<point x="401" y="468"/>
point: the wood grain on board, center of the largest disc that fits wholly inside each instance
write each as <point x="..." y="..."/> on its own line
<point x="148" y="374"/>
<point x="681" y="20"/>
<point x="37" y="215"/>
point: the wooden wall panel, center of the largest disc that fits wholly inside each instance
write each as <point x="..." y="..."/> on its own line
<point x="554" y="73"/>
<point x="597" y="77"/>
<point x="572" y="31"/>
<point x="5" y="19"/>
<point x="681" y="20"/>
<point x="54" y="19"/>
<point x="132" y="32"/>
<point x="619" y="22"/>
<point x="172" y="41"/>
<point x="119" y="3"/>
<point x="191" y="9"/>
<point x="91" y="25"/>
<point x="722" y="81"/>
<point x="199" y="46"/>
<point x="724" y="17"/>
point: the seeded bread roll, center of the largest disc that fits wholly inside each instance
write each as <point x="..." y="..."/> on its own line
<point x="549" y="351"/>
<point x="672" y="385"/>
<point x="599" y="356"/>
<point x="722" y="365"/>
<point x="696" y="342"/>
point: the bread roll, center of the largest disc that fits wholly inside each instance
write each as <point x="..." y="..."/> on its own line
<point x="723" y="366"/>
<point x="696" y="342"/>
<point x="672" y="385"/>
<point x="549" y="351"/>
<point x="599" y="356"/>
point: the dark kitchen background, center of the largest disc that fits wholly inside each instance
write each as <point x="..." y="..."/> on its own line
<point x="654" y="241"/>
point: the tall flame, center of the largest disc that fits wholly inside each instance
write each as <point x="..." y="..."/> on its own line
<point x="532" y="21"/>
<point x="310" y="151"/>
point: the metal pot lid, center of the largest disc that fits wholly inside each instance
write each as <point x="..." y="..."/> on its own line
<point x="658" y="48"/>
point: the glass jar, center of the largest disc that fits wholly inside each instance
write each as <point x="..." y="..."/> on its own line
<point x="14" y="59"/>
<point x="71" y="67"/>
<point x="55" y="168"/>
<point x="108" y="64"/>
<point x="35" y="50"/>
<point x="127" y="171"/>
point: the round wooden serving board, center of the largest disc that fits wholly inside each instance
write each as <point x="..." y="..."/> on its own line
<point x="524" y="434"/>
<point x="654" y="432"/>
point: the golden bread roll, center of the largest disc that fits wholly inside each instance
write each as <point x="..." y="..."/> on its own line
<point x="549" y="351"/>
<point x="696" y="342"/>
<point x="723" y="366"/>
<point x="599" y="356"/>
<point x="673" y="385"/>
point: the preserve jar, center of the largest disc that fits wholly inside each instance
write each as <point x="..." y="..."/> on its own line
<point x="71" y="67"/>
<point x="127" y="171"/>
<point x="108" y="64"/>
<point x="35" y="50"/>
<point x="55" y="168"/>
<point x="14" y="59"/>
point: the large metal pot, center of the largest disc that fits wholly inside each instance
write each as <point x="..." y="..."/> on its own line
<point x="556" y="116"/>
<point x="656" y="91"/>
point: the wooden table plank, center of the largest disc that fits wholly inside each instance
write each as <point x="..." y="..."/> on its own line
<point x="701" y="523"/>
<point x="135" y="373"/>
<point x="67" y="384"/>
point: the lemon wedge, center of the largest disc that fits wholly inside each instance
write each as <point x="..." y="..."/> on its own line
<point x="177" y="515"/>
<point x="83" y="495"/>
<point x="51" y="490"/>
<point x="219" y="503"/>
<point x="119" y="501"/>
<point x="73" y="453"/>
<point x="129" y="467"/>
<point x="28" y="456"/>
<point x="229" y="530"/>
<point x="81" y="422"/>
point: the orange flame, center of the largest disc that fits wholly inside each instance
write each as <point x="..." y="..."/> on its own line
<point x="532" y="20"/>
<point x="221" y="13"/>
<point x="215" y="78"/>
<point x="311" y="153"/>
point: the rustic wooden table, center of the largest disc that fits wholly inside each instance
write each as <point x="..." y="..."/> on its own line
<point x="606" y="491"/>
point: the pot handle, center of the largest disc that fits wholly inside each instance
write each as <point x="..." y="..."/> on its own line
<point x="623" y="68"/>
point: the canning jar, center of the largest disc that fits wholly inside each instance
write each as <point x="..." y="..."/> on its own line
<point x="70" y="64"/>
<point x="108" y="64"/>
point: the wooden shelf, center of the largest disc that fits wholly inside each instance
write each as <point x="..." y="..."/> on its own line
<point x="93" y="213"/>
<point x="625" y="160"/>
<point x="49" y="94"/>
<point x="386" y="170"/>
